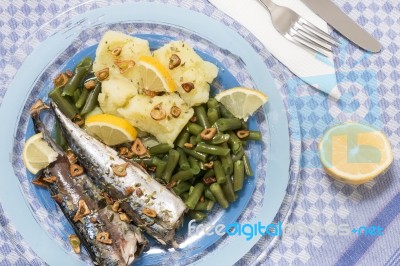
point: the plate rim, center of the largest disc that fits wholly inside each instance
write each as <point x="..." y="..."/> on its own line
<point x="161" y="15"/>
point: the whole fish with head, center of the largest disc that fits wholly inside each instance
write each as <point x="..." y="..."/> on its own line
<point x="105" y="232"/>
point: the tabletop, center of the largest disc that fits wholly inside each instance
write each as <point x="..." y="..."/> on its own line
<point x="370" y="88"/>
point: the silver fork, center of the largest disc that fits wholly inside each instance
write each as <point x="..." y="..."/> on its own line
<point x="298" y="30"/>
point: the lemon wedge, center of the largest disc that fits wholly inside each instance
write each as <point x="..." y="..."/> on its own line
<point x="154" y="76"/>
<point x="355" y="153"/>
<point x="110" y="129"/>
<point x="242" y="102"/>
<point x="37" y="154"/>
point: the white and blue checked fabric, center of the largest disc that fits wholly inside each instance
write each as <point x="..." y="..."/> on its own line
<point x="370" y="86"/>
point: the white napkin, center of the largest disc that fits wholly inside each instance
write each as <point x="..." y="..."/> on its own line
<point x="316" y="70"/>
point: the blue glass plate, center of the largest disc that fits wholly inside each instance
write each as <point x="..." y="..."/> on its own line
<point x="31" y="209"/>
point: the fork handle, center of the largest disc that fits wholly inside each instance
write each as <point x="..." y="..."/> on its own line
<point x="268" y="4"/>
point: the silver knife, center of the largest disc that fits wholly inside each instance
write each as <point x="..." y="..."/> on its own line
<point x="343" y="24"/>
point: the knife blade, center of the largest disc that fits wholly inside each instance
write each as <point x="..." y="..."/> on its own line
<point x="335" y="17"/>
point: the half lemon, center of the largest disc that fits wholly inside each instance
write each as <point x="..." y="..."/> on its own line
<point x="154" y="76"/>
<point x="37" y="154"/>
<point x="355" y="153"/>
<point x="242" y="102"/>
<point x="110" y="129"/>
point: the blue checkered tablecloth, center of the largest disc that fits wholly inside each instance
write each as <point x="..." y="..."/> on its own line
<point x="370" y="88"/>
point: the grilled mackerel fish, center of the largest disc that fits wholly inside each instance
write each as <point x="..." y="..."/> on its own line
<point x="149" y="204"/>
<point x="106" y="234"/>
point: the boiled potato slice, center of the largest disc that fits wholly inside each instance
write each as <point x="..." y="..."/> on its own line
<point x="192" y="69"/>
<point x="119" y="52"/>
<point x="116" y="92"/>
<point x="138" y="113"/>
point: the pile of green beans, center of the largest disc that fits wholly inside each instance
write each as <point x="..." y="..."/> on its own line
<point x="72" y="98"/>
<point x="204" y="172"/>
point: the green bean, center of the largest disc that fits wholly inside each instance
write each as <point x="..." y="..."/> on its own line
<point x="182" y="138"/>
<point x="201" y="165"/>
<point x="82" y="99"/>
<point x="219" y="172"/>
<point x="183" y="175"/>
<point x="80" y="72"/>
<point x="194" y="165"/>
<point x="191" y="189"/>
<point x="91" y="100"/>
<point x="198" y="155"/>
<point x="173" y="158"/>
<point x="212" y="115"/>
<point x="227" y="187"/>
<point x="209" y="173"/>
<point x="247" y="166"/>
<point x="219" y="138"/>
<point x="76" y="96"/>
<point x="87" y="61"/>
<point x="199" y="139"/>
<point x="234" y="142"/>
<point x="227" y="163"/>
<point x="194" y="129"/>
<point x="238" y="175"/>
<point x="206" y="205"/>
<point x="225" y="124"/>
<point x="201" y="116"/>
<point x="183" y="160"/>
<point x="193" y="140"/>
<point x="156" y="161"/>
<point x="63" y="104"/>
<point x="185" y="195"/>
<point x="181" y="188"/>
<point x="244" y="143"/>
<point x="197" y="215"/>
<point x="238" y="156"/>
<point x="219" y="195"/>
<point x="160" y="169"/>
<point x="212" y="103"/>
<point x="211" y="149"/>
<point x="159" y="149"/>
<point x="254" y="135"/>
<point x="194" y="196"/>
<point x="209" y="195"/>
<point x="58" y="136"/>
<point x="224" y="112"/>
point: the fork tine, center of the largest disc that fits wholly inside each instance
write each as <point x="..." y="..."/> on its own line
<point x="310" y="37"/>
<point x="317" y="31"/>
<point x="304" y="31"/>
<point x="307" y="45"/>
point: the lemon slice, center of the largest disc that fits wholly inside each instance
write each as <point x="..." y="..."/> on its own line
<point x="355" y="153"/>
<point x="37" y="154"/>
<point x="242" y="102"/>
<point x="154" y="76"/>
<point x="110" y="129"/>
